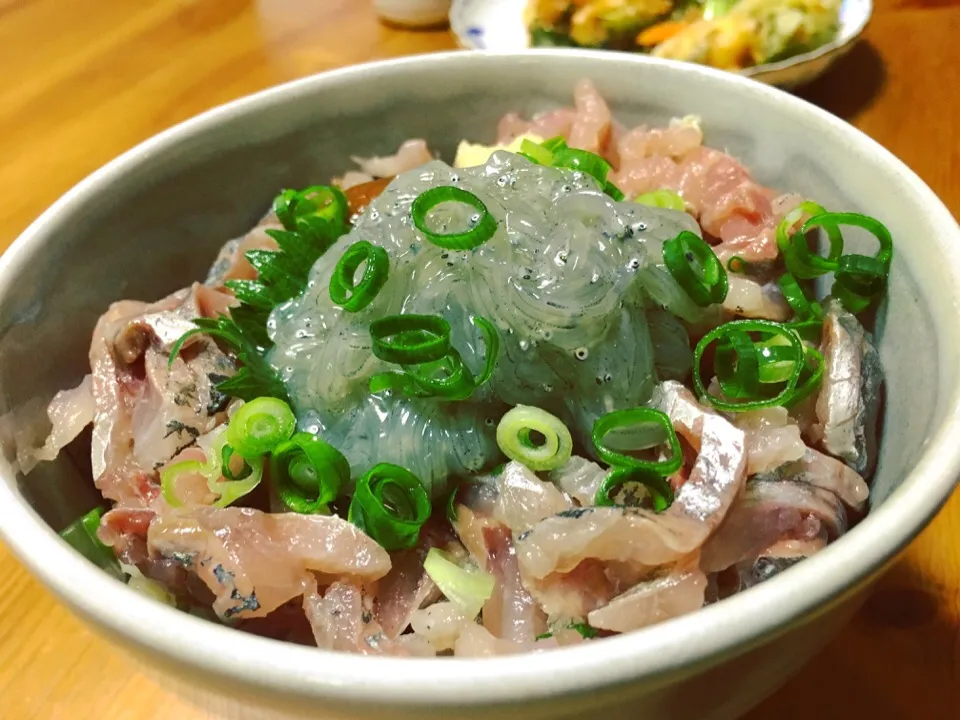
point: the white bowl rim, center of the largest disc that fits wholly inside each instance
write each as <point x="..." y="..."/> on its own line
<point x="729" y="627"/>
<point x="846" y="36"/>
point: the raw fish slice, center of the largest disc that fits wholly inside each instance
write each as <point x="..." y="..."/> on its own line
<point x="849" y="402"/>
<point x="341" y="619"/>
<point x="511" y="613"/>
<point x="772" y="438"/>
<point x="673" y="592"/>
<point x="642" y="537"/>
<point x="254" y="562"/>
<point x="411" y="155"/>
<point x="579" y="478"/>
<point x="771" y="511"/>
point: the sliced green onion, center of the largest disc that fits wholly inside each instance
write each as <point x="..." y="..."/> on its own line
<point x="491" y="342"/>
<point x="307" y="473"/>
<point x="554" y="143"/>
<point x="802" y="308"/>
<point x="446" y="377"/>
<point x="586" y="631"/>
<point x="408" y="339"/>
<point x="858" y="280"/>
<point x="613" y="191"/>
<point x="343" y="291"/>
<point x="800" y="262"/>
<point x="146" y="586"/>
<point x="536" y="152"/>
<point x="81" y="535"/>
<point x="582" y="161"/>
<point x="666" y="199"/>
<point x="831" y="222"/>
<point x="521" y="428"/>
<point x="737" y="365"/>
<point x="696" y="268"/>
<point x="298" y="210"/>
<point x="229" y="490"/>
<point x="737" y="264"/>
<point x="654" y="429"/>
<point x="484" y="227"/>
<point x="468" y="589"/>
<point x="232" y="490"/>
<point x="810" y="331"/>
<point x="390" y="505"/>
<point x="810" y="378"/>
<point x="452" y="504"/>
<point x="171" y="474"/>
<point x="227" y="454"/>
<point x="776" y="359"/>
<point x="658" y="488"/>
<point x="740" y="376"/>
<point x="259" y="426"/>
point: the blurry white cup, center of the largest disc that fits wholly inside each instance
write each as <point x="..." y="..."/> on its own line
<point x="414" y="13"/>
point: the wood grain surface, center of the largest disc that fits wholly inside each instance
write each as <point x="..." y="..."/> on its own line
<point x="84" y="80"/>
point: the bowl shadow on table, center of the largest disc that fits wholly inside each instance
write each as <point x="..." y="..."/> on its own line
<point x="905" y="619"/>
<point x="851" y="85"/>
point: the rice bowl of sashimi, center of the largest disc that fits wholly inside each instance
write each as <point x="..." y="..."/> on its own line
<point x="585" y="369"/>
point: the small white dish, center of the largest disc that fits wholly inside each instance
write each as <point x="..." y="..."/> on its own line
<point x="499" y="25"/>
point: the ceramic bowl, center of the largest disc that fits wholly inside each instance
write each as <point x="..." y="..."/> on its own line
<point x="152" y="220"/>
<point x="498" y="25"/>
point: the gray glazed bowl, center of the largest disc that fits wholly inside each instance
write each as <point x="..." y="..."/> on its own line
<point x="152" y="220"/>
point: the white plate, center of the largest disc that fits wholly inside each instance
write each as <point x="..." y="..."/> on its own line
<point x="498" y="25"/>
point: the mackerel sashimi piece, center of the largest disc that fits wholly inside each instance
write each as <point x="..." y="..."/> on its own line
<point x="254" y="562"/>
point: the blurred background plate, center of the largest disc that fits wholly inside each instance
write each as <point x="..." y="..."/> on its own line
<point x="499" y="25"/>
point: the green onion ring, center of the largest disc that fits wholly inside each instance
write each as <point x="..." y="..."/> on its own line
<point x="634" y="418"/>
<point x="170" y="474"/>
<point x="808" y="384"/>
<point x="296" y="209"/>
<point x="554" y="143"/>
<point x="448" y="377"/>
<point x="737" y="264"/>
<point x="485" y="228"/>
<point x="737" y="365"/>
<point x="514" y="436"/>
<point x="259" y="426"/>
<point x="81" y="535"/>
<point x="307" y="473"/>
<point x="800" y="262"/>
<point x="858" y="280"/>
<point x="408" y="339"/>
<point x="666" y="199"/>
<point x="775" y="360"/>
<point x="226" y="455"/>
<point x="802" y="308"/>
<point x="582" y="161"/>
<point x="808" y="330"/>
<point x="658" y="487"/>
<point x="830" y="221"/>
<point x="721" y="333"/>
<point x="613" y="191"/>
<point x="535" y="152"/>
<point x="696" y="268"/>
<point x="231" y="491"/>
<point x="491" y="342"/>
<point x="390" y="505"/>
<point x="343" y="292"/>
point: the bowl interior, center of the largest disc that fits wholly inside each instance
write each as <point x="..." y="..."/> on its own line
<point x="153" y="221"/>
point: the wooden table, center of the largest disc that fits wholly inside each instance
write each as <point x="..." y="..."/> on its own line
<point x="86" y="79"/>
